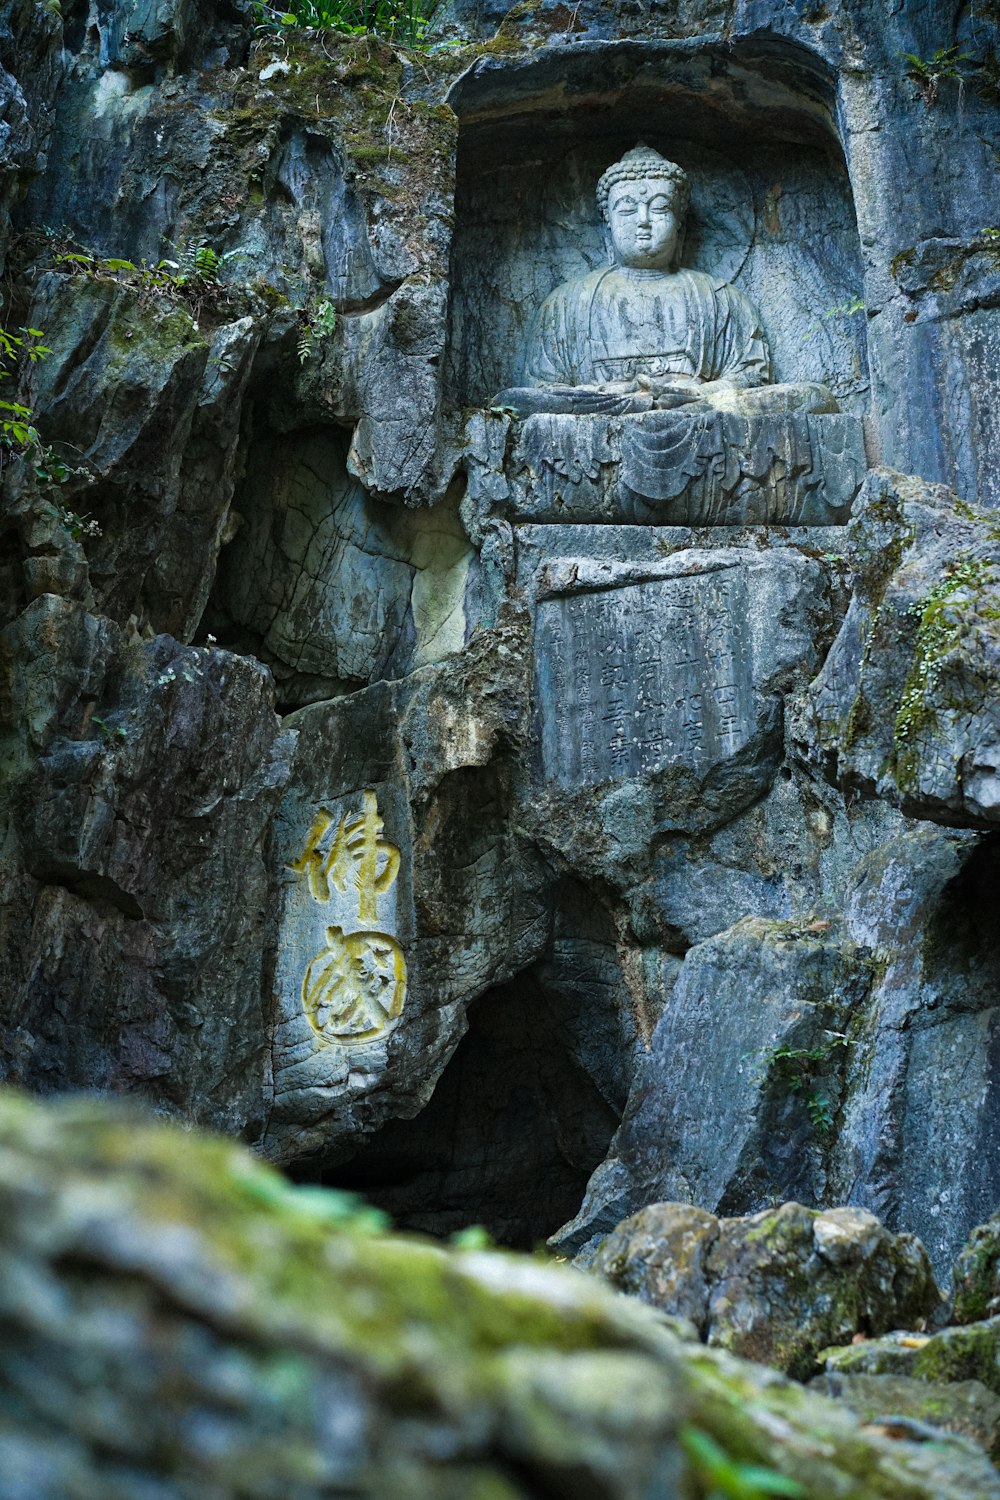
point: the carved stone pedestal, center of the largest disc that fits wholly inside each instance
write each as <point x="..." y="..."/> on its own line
<point x="682" y="468"/>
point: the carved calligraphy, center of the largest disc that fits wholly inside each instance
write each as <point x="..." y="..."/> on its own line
<point x="353" y="991"/>
<point x="637" y="677"/>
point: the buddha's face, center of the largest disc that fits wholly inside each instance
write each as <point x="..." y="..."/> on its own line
<point x="644" y="223"/>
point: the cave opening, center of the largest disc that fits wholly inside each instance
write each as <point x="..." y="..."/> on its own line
<point x="510" y="1136"/>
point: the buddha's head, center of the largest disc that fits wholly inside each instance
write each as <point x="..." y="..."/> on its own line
<point x="644" y="199"/>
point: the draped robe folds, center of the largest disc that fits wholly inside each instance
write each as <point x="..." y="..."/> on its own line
<point x="617" y="324"/>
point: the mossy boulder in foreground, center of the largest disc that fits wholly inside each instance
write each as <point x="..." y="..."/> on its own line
<point x="177" y="1321"/>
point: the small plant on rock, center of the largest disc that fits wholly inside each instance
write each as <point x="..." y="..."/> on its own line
<point x="725" y="1478"/>
<point x="320" y="321"/>
<point x="928" y="73"/>
<point x="17" y="434"/>
<point x="798" y="1070"/>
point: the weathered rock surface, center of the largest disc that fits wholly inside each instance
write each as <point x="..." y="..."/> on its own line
<point x="954" y="1354"/>
<point x="149" y="403"/>
<point x="430" y="758"/>
<point x="823" y="1038"/>
<point x="334" y="589"/>
<point x="900" y="1405"/>
<point x="176" y="1319"/>
<point x="776" y="999"/>
<point x="670" y="913"/>
<point x="143" y="882"/>
<point x="976" y="1275"/>
<point x="776" y="1287"/>
<point x="905" y="707"/>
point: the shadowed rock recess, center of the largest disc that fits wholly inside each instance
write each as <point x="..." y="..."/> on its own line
<point x="499" y="682"/>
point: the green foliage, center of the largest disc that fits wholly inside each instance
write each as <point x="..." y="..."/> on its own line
<point x="848" y="309"/>
<point x="472" y="1237"/>
<point x="326" y="1206"/>
<point x="109" y="733"/>
<point x="78" y="526"/>
<point x="942" y="614"/>
<point x="319" y="321"/>
<point x="796" y="1070"/>
<point x="724" y="1478"/>
<point x="193" y="277"/>
<point x="928" y="73"/>
<point x="16" y="431"/>
<point x="402" y="21"/>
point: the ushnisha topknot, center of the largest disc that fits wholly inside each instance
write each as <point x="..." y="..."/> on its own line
<point x="642" y="161"/>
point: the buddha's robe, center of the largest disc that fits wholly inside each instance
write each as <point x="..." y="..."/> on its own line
<point x="620" y="323"/>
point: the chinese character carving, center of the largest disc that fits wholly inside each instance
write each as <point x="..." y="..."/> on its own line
<point x="353" y="991"/>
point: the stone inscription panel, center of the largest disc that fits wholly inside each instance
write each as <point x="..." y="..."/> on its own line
<point x="341" y="957"/>
<point x="636" y="677"/>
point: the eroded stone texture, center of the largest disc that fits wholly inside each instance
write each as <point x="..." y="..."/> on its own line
<point x="135" y="884"/>
<point x="777" y="1287"/>
<point x="676" y="469"/>
<point x="976" y="1274"/>
<point x="322" y="172"/>
<point x="908" y="1407"/>
<point x="230" y="1371"/>
<point x="431" y="755"/>
<point x="741" y="1003"/>
<point x="824" y="1033"/>
<point x="639" y="669"/>
<point x="920" y="1117"/>
<point x="954" y="1354"/>
<point x="332" y="588"/>
<point x="148" y="404"/>
<point x="905" y="707"/>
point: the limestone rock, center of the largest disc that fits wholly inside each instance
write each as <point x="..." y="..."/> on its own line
<point x="332" y="588"/>
<point x="792" y="1057"/>
<point x="976" y="1275"/>
<point x="129" y="370"/>
<point x="135" y="904"/>
<point x="422" y="769"/>
<point x="775" y="999"/>
<point x="914" y="1142"/>
<point x="897" y="1403"/>
<point x="168" y="1325"/>
<point x="954" y="1354"/>
<point x="905" y="706"/>
<point x="776" y="1287"/>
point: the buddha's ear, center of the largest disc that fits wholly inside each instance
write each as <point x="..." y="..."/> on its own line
<point x="609" y="244"/>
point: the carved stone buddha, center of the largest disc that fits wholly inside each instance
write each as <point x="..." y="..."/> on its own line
<point x="643" y="335"/>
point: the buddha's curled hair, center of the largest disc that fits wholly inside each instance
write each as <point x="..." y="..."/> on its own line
<point x="642" y="162"/>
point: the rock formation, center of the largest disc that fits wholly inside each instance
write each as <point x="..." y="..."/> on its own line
<point x="177" y="1320"/>
<point x="523" y="816"/>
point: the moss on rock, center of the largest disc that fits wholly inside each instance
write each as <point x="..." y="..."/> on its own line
<point x="177" y="1318"/>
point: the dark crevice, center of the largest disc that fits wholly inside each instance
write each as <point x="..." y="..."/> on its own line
<point x="511" y="1134"/>
<point x="91" y="886"/>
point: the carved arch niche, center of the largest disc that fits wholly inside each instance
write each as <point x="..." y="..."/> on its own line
<point x="771" y="211"/>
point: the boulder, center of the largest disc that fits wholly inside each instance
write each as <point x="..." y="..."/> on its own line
<point x="178" y="1320"/>
<point x="976" y="1275"/>
<point x="898" y="1403"/>
<point x="960" y="1353"/>
<point x="775" y="1287"/>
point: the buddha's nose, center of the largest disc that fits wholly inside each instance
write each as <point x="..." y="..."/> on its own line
<point x="644" y="219"/>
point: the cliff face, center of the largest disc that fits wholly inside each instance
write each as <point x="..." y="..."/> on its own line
<point x="625" y="795"/>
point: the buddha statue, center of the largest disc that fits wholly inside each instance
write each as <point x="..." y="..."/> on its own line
<point x="642" y="334"/>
